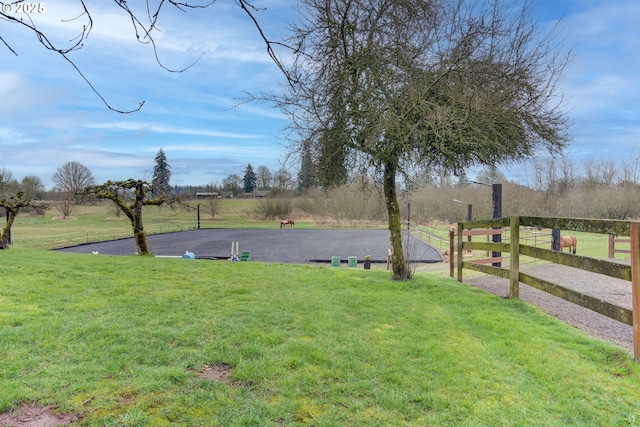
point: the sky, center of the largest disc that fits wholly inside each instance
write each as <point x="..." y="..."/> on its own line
<point x="50" y="116"/>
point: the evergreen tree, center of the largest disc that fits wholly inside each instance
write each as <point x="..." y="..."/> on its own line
<point x="306" y="175"/>
<point x="249" y="180"/>
<point x="161" y="174"/>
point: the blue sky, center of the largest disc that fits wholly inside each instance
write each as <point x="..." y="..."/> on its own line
<point x="48" y="115"/>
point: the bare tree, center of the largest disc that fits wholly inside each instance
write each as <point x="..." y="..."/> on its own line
<point x="567" y="177"/>
<point x="73" y="177"/>
<point x="232" y="183"/>
<point x="65" y="205"/>
<point x="264" y="177"/>
<point x="32" y="186"/>
<point x="8" y="184"/>
<point x="393" y="87"/>
<point x="600" y="172"/>
<point x="282" y="179"/>
<point x="631" y="168"/>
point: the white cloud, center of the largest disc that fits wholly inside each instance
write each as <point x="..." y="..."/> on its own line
<point x="12" y="136"/>
<point x="152" y="127"/>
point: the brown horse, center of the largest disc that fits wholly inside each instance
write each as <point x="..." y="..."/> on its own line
<point x="285" y="222"/>
<point x="570" y="242"/>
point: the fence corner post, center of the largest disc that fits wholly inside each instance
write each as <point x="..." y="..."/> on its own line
<point x="514" y="264"/>
<point x="635" y="286"/>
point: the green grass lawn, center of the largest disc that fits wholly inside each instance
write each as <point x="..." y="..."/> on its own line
<point x="121" y="340"/>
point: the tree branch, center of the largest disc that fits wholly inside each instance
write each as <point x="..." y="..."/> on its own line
<point x="144" y="29"/>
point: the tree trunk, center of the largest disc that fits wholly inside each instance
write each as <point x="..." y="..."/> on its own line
<point x="138" y="229"/>
<point x="5" y="239"/>
<point x="400" y="269"/>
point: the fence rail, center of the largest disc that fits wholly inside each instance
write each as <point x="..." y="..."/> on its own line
<point x="516" y="249"/>
<point x="613" y="250"/>
<point x="431" y="236"/>
<point x="96" y="235"/>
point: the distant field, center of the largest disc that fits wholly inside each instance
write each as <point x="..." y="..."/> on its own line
<point x="101" y="222"/>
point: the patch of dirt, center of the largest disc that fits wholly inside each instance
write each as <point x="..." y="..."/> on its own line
<point x="33" y="415"/>
<point x="215" y="373"/>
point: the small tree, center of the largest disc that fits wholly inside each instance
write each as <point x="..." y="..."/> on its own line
<point x="130" y="197"/>
<point x="65" y="205"/>
<point x="249" y="180"/>
<point x="161" y="174"/>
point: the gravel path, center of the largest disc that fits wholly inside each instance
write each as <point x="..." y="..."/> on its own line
<point x="289" y="245"/>
<point x="609" y="289"/>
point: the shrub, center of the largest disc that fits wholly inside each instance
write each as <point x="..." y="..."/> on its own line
<point x="271" y="208"/>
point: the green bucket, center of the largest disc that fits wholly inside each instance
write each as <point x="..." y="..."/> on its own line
<point x="335" y="261"/>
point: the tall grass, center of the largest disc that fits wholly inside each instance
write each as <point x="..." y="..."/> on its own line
<point x="121" y="340"/>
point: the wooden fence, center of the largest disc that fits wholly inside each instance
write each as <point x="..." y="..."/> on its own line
<point x="613" y="241"/>
<point x="515" y="249"/>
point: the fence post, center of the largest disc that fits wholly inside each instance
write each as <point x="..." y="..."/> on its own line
<point x="452" y="248"/>
<point x="612" y="253"/>
<point x="459" y="245"/>
<point x="635" y="286"/>
<point x="555" y="239"/>
<point x="514" y="264"/>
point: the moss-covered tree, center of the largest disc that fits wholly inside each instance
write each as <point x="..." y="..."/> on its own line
<point x="130" y="197"/>
<point x="12" y="205"/>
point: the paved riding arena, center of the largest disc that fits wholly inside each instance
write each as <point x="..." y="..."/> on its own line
<point x="287" y="245"/>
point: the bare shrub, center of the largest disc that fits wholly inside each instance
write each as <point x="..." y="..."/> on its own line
<point x="213" y="204"/>
<point x="356" y="202"/>
<point x="272" y="208"/>
<point x="65" y="205"/>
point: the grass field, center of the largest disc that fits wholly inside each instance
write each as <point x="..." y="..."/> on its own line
<point x="121" y="341"/>
<point x="100" y="222"/>
<point x="92" y="223"/>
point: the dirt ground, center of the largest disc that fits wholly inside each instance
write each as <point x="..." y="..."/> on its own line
<point x="33" y="415"/>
